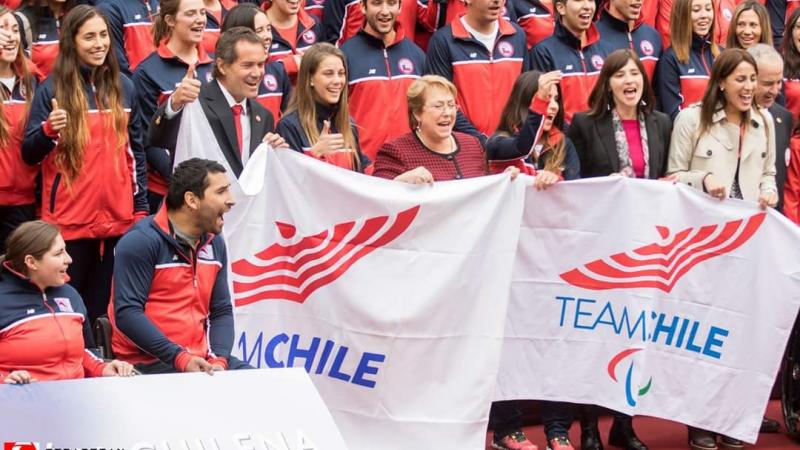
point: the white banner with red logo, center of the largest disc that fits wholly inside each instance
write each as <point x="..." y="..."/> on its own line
<point x="392" y="296"/>
<point x="651" y="299"/>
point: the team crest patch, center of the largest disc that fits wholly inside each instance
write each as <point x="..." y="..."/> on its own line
<point x="505" y="48"/>
<point x="206" y="252"/>
<point x="405" y="65"/>
<point x="727" y="14"/>
<point x="270" y="82"/>
<point x="309" y="37"/>
<point x="647" y="48"/>
<point x="63" y="303"/>
<point x="597" y="62"/>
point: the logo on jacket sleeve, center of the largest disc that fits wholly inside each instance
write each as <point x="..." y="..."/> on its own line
<point x="63" y="303"/>
<point x="309" y="37"/>
<point x="597" y="62"/>
<point x="292" y="270"/>
<point x="727" y="13"/>
<point x="662" y="264"/>
<point x="270" y="82"/>
<point x="405" y="65"/>
<point x="647" y="48"/>
<point x="505" y="48"/>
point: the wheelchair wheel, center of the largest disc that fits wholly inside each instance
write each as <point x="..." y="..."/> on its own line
<point x="790" y="385"/>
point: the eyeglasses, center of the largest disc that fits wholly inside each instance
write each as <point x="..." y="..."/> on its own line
<point x="441" y="107"/>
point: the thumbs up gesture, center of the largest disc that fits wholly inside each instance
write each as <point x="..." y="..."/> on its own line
<point x="57" y="118"/>
<point x="187" y="91"/>
<point x="328" y="142"/>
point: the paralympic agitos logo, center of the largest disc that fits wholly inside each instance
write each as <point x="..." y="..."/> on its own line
<point x="631" y="394"/>
<point x="295" y="268"/>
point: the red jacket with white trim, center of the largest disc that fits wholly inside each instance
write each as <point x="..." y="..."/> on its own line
<point x="131" y="26"/>
<point x="43" y="332"/>
<point x="791" y="189"/>
<point x="536" y="18"/>
<point x="343" y="19"/>
<point x="45" y="30"/>
<point x="309" y="32"/>
<point x="379" y="78"/>
<point x="484" y="79"/>
<point x="580" y="64"/>
<point x="678" y="85"/>
<point x="17" y="179"/>
<point x="170" y="301"/>
<point x="275" y="89"/>
<point x="102" y="200"/>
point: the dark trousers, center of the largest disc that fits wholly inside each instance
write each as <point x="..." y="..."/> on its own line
<point x="11" y="217"/>
<point x="589" y="415"/>
<point x="504" y="418"/>
<point x="557" y="417"/>
<point x="90" y="272"/>
<point x="160" y="367"/>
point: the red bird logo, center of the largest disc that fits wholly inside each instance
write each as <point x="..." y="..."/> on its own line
<point x="661" y="265"/>
<point x="293" y="271"/>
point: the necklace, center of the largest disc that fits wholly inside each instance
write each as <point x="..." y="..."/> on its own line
<point x="452" y="143"/>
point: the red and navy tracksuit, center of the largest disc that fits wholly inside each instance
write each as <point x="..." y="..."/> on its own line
<point x="343" y="19"/>
<point x="580" y="64"/>
<point x="379" y="77"/>
<point x="171" y="299"/>
<point x="213" y="28"/>
<point x="275" y="89"/>
<point x="536" y="18"/>
<point x="17" y="179"/>
<point x="155" y="79"/>
<point x="779" y="12"/>
<point x="291" y="130"/>
<point x="131" y="26"/>
<point x="791" y="94"/>
<point x="678" y="85"/>
<point x="105" y="198"/>
<point x="311" y="7"/>
<point x="44" y="332"/>
<point x="45" y="29"/>
<point x="309" y="32"/>
<point x="440" y="13"/>
<point x="484" y="79"/>
<point x="643" y="39"/>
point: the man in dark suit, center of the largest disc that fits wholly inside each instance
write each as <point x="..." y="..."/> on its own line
<point x="239" y="122"/>
<point x="768" y="87"/>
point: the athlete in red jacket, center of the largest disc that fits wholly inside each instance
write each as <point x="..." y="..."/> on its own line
<point x="44" y="332"/>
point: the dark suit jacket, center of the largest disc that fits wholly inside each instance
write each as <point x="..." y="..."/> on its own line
<point x="594" y="141"/>
<point x="783" y="133"/>
<point x="164" y="131"/>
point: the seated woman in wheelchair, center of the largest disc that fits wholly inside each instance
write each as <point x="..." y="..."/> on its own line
<point x="44" y="332"/>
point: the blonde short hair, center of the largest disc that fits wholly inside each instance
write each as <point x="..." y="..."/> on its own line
<point x="418" y="90"/>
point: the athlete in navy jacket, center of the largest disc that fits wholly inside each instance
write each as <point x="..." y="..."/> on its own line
<point x="579" y="60"/>
<point x="131" y="26"/>
<point x="615" y="30"/>
<point x="171" y="308"/>
<point x="483" y="75"/>
<point x="381" y="64"/>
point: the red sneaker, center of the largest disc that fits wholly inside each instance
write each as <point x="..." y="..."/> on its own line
<point x="559" y="443"/>
<point x="516" y="440"/>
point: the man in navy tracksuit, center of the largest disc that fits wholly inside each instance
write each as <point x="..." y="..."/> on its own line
<point x="171" y="308"/>
<point x="482" y="54"/>
<point x="382" y="65"/>
<point x="622" y="25"/>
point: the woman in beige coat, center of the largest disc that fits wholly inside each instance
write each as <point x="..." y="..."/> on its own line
<point x="725" y="145"/>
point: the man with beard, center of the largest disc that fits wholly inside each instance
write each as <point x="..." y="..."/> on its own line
<point x="171" y="308"/>
<point x="238" y="121"/>
<point x="383" y="63"/>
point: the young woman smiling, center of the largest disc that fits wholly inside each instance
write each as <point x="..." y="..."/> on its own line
<point x="750" y="26"/>
<point x="318" y="122"/>
<point x="85" y="131"/>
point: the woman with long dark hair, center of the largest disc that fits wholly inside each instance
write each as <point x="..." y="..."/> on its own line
<point x="177" y="38"/>
<point x="275" y="89"/>
<point x="791" y="63"/>
<point x="529" y="133"/>
<point x="46" y="334"/>
<point x="750" y="25"/>
<point x="318" y="121"/>
<point x="684" y="68"/>
<point x="40" y="25"/>
<point x="17" y="84"/>
<point x="85" y="131"/>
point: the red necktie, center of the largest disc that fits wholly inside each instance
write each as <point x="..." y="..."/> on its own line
<point x="237" y="120"/>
